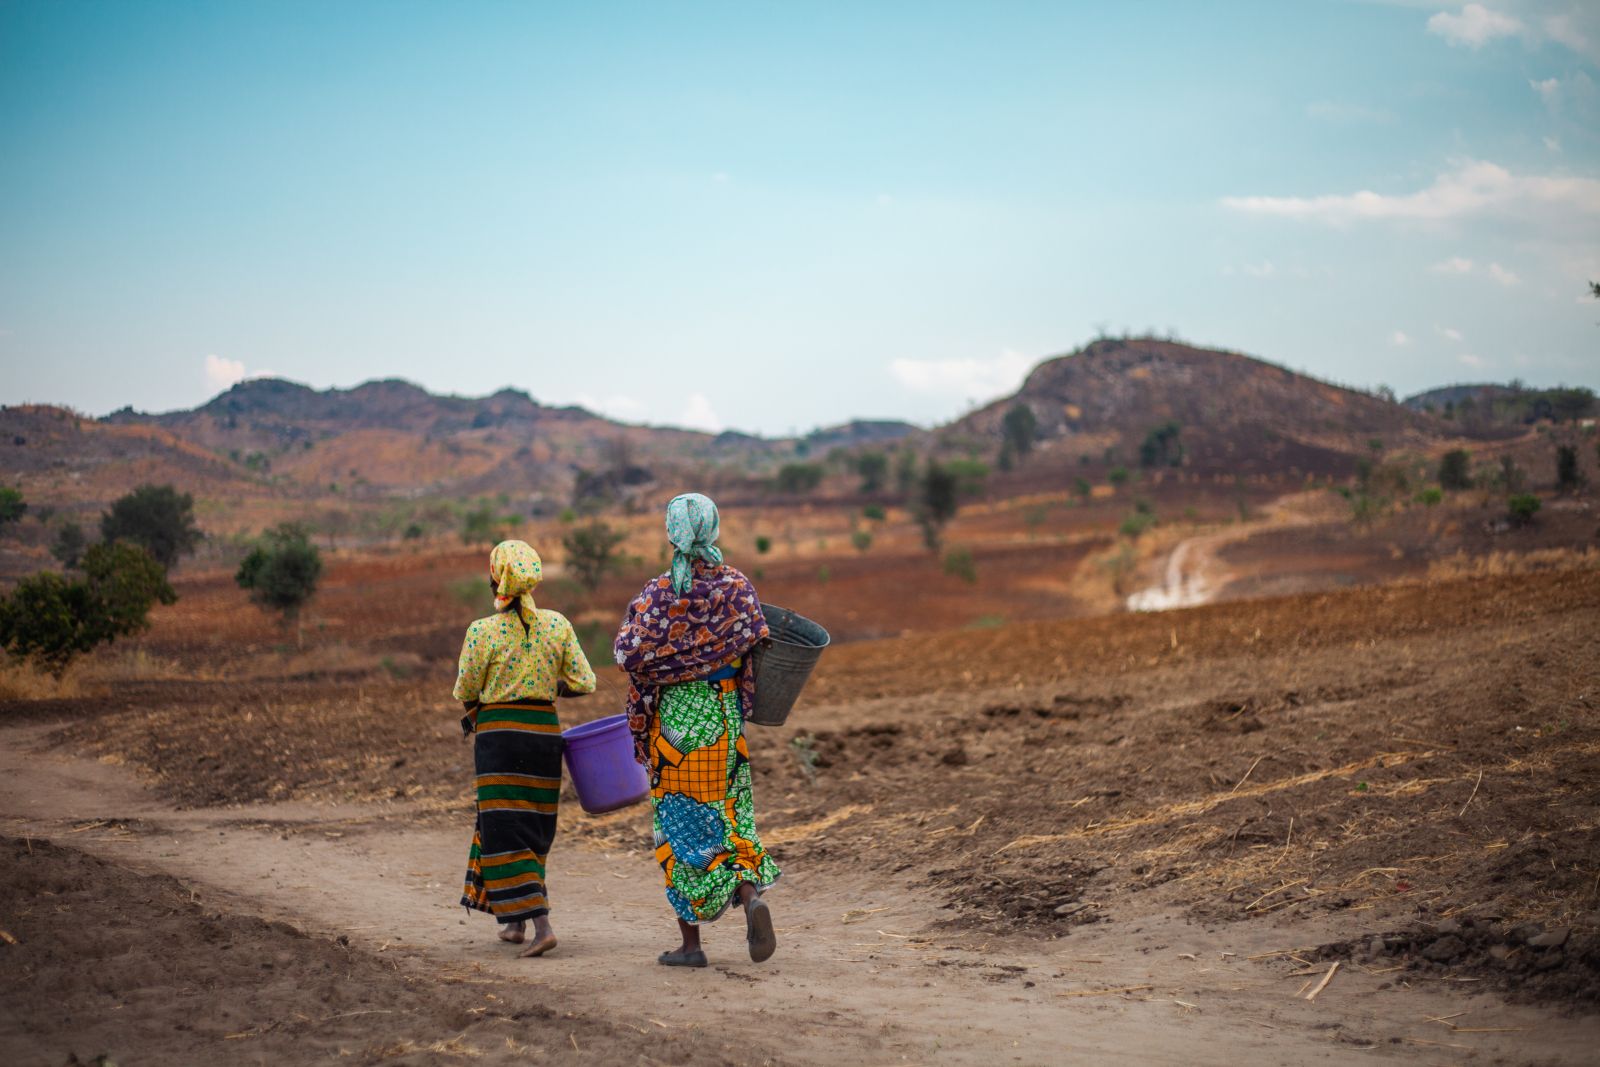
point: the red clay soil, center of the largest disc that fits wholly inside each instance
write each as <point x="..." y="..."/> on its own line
<point x="1392" y="756"/>
<point x="108" y="959"/>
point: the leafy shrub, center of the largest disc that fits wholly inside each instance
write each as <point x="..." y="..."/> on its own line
<point x="51" y="620"/>
<point x="1521" y="507"/>
<point x="861" y="539"/>
<point x="799" y="477"/>
<point x="1431" y="496"/>
<point x="763" y="544"/>
<point x="1118" y="476"/>
<point x="874" y="512"/>
<point x="12" y="506"/>
<point x="958" y="563"/>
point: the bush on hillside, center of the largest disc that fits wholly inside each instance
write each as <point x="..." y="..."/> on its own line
<point x="157" y="517"/>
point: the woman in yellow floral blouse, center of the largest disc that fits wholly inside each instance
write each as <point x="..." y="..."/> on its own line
<point x="514" y="664"/>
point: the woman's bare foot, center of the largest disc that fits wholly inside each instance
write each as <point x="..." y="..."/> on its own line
<point x="544" y="938"/>
<point x="513" y="932"/>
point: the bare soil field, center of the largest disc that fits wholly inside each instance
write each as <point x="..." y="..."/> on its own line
<point x="1138" y="834"/>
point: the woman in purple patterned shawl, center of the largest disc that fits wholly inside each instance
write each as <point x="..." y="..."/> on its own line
<point x="686" y="645"/>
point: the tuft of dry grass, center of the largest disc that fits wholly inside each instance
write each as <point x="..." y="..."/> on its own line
<point x="1501" y="564"/>
<point x="21" y="680"/>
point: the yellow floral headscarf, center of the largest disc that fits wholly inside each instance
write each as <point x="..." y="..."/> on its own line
<point x="515" y="570"/>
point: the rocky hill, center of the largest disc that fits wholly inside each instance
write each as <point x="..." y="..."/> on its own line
<point x="1225" y="411"/>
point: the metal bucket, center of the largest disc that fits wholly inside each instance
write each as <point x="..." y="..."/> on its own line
<point x="783" y="662"/>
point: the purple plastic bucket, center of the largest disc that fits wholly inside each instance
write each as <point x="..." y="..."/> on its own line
<point x="600" y="760"/>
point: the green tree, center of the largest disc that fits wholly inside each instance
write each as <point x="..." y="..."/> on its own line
<point x="874" y="470"/>
<point x="156" y="516"/>
<point x="1018" y="431"/>
<point x="1118" y="476"/>
<point x="861" y="539"/>
<point x="1455" y="470"/>
<point x="905" y="472"/>
<point x="1161" y="447"/>
<point x="1568" y="476"/>
<point x="281" y="573"/>
<point x="1081" y="488"/>
<point x="937" y="503"/>
<point x="124" y="580"/>
<point x="51" y="620"/>
<point x="12" y="506"/>
<point x="799" y="477"/>
<point x="68" y="545"/>
<point x="763" y="544"/>
<point x="591" y="549"/>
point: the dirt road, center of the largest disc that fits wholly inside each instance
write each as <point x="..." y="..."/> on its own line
<point x="862" y="975"/>
<point x="1134" y="838"/>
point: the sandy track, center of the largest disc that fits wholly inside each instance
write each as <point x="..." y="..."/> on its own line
<point x="861" y="976"/>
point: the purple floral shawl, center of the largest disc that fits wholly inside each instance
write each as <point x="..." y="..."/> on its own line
<point x="667" y="638"/>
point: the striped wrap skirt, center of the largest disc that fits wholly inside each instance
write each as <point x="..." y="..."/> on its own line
<point x="517" y="758"/>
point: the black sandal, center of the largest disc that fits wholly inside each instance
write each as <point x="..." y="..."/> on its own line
<point x="679" y="958"/>
<point x="758" y="930"/>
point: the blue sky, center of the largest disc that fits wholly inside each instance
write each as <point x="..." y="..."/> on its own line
<point x="773" y="217"/>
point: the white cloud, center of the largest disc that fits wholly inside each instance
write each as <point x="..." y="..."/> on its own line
<point x="1575" y="95"/>
<point x="1470" y="360"/>
<point x="1563" y="29"/>
<point x="1461" y="265"/>
<point x="1475" y="26"/>
<point x="222" y="373"/>
<point x="1264" y="269"/>
<point x="1449" y="333"/>
<point x="1399" y="339"/>
<point x="1473" y="189"/>
<point x="721" y="177"/>
<point x="1553" y="144"/>
<point x="697" y="414"/>
<point x="1503" y="276"/>
<point x="967" y="379"/>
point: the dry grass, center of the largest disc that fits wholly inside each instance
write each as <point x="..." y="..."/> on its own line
<point x="1500" y="564"/>
<point x="21" y="680"/>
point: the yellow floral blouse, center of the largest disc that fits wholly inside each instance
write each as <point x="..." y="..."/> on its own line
<point x="499" y="662"/>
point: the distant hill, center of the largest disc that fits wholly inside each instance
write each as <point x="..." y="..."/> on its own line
<point x="270" y="439"/>
<point x="1232" y="413"/>
<point x="1490" y="409"/>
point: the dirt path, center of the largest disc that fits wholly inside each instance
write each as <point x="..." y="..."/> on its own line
<point x="1194" y="572"/>
<point x="862" y="975"/>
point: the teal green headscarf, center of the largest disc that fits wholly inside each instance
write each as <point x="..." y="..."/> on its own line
<point x="692" y="527"/>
